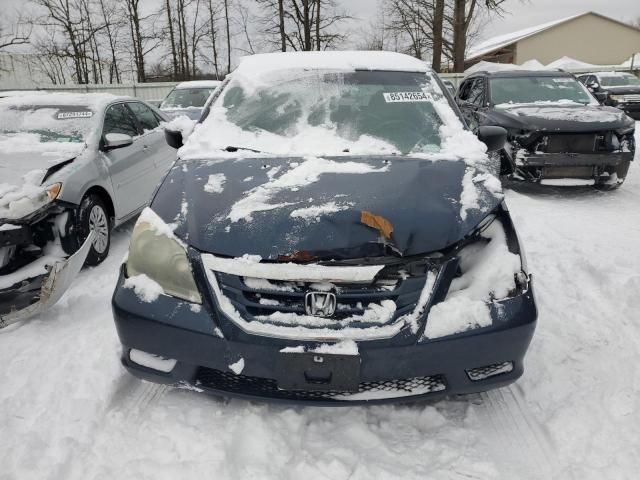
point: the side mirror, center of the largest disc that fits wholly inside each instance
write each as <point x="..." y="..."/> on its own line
<point x="117" y="140"/>
<point x="600" y="96"/>
<point x="493" y="137"/>
<point x="173" y="138"/>
<point x="593" y="86"/>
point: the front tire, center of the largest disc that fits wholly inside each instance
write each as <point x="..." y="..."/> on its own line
<point x="93" y="216"/>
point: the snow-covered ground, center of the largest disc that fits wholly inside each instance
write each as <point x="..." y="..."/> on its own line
<point x="68" y="410"/>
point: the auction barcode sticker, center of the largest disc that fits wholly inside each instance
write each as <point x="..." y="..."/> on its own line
<point x="64" y="115"/>
<point x="405" y="97"/>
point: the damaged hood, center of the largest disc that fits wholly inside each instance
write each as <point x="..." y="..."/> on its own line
<point x="319" y="208"/>
<point x="558" y="117"/>
<point x="34" y="165"/>
<point x="23" y="176"/>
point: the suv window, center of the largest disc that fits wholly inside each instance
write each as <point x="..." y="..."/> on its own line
<point x="145" y="115"/>
<point x="476" y="92"/>
<point x="118" y="119"/>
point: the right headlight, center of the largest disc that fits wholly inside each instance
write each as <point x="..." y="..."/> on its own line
<point x="157" y="253"/>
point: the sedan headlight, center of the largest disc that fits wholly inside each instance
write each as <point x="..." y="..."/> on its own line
<point x="157" y="253"/>
<point x="617" y="98"/>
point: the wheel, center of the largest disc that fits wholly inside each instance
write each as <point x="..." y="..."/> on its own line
<point x="92" y="216"/>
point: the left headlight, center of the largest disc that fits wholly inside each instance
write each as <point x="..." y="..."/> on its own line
<point x="53" y="191"/>
<point x="617" y="98"/>
<point x="157" y="253"/>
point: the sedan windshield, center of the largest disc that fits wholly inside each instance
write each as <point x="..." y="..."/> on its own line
<point x="361" y="111"/>
<point x="48" y="123"/>
<point x="619" y="81"/>
<point x="538" y="89"/>
<point x="187" y="97"/>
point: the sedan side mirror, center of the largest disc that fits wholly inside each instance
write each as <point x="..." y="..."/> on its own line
<point x="117" y="140"/>
<point x="493" y="137"/>
<point x="173" y="138"/>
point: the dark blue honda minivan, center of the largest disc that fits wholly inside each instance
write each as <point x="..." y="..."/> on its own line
<point x="332" y="233"/>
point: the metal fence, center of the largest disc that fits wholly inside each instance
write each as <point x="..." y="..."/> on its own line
<point x="157" y="91"/>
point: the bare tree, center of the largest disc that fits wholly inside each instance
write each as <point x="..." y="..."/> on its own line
<point x="13" y="31"/>
<point x="213" y="34"/>
<point x="226" y="21"/>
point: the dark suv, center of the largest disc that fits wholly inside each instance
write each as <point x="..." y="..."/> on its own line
<point x="616" y="89"/>
<point x="558" y="133"/>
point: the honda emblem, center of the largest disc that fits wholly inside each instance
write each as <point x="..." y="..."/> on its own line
<point x="320" y="304"/>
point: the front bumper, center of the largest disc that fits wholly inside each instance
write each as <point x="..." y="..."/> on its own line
<point x="32" y="295"/>
<point x="574" y="159"/>
<point x="391" y="370"/>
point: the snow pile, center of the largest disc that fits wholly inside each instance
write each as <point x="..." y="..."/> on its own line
<point x="215" y="184"/>
<point x="567" y="113"/>
<point x="19" y="201"/>
<point x="150" y="360"/>
<point x="568" y="63"/>
<point x="237" y="367"/>
<point x="147" y="289"/>
<point x="259" y="198"/>
<point x="26" y="142"/>
<point x="182" y="124"/>
<point x="198" y="84"/>
<point x="488" y="271"/>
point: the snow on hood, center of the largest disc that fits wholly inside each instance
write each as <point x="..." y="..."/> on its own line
<point x="17" y="201"/>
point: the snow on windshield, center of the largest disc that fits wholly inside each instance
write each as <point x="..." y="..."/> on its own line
<point x="50" y="120"/>
<point x="332" y="111"/>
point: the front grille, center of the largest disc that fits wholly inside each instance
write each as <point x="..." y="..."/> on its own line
<point x="358" y="305"/>
<point x="482" y="373"/>
<point x="265" y="387"/>
<point x="574" y="143"/>
<point x="632" y="98"/>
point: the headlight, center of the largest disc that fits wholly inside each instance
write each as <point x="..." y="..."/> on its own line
<point x="617" y="98"/>
<point x="157" y="253"/>
<point x="53" y="191"/>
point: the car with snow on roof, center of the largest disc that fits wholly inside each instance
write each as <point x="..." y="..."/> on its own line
<point x="615" y="89"/>
<point x="188" y="98"/>
<point x="71" y="168"/>
<point x="558" y="133"/>
<point x="332" y="233"/>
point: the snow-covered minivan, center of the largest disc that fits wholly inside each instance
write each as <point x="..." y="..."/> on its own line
<point x="331" y="233"/>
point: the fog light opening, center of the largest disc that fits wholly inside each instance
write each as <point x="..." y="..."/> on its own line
<point x="149" y="360"/>
<point x="482" y="373"/>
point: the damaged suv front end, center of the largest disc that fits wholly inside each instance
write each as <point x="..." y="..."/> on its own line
<point x="357" y="277"/>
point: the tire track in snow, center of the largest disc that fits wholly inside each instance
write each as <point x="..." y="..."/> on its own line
<point x="515" y="437"/>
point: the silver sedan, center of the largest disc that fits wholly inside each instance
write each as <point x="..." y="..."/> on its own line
<point x="72" y="167"/>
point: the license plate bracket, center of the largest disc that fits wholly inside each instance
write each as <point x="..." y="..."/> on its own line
<point x="318" y="372"/>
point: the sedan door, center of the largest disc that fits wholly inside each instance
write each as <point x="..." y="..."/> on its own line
<point x="131" y="168"/>
<point x="162" y="154"/>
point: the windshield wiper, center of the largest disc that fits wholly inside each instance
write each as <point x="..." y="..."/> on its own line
<point x="231" y="148"/>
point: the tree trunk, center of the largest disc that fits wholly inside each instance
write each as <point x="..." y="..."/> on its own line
<point x="459" y="35"/>
<point x="283" y="37"/>
<point x="318" y="45"/>
<point x="306" y="25"/>
<point x="226" y="17"/>
<point x="212" y="26"/>
<point x="174" y="56"/>
<point x="438" y="20"/>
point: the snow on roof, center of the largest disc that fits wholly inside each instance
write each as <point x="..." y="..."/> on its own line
<point x="570" y="63"/>
<point x="199" y="84"/>
<point x="636" y="61"/>
<point x="91" y="100"/>
<point x="344" y="60"/>
<point x="20" y="93"/>
<point x="501" y="41"/>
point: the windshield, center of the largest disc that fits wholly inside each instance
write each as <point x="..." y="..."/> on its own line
<point x="538" y="89"/>
<point x="619" y="80"/>
<point x="47" y="123"/>
<point x="187" y="97"/>
<point x="319" y="111"/>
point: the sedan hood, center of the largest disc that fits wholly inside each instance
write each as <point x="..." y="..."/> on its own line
<point x="558" y="117"/>
<point x="320" y="208"/>
<point x="33" y="164"/>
